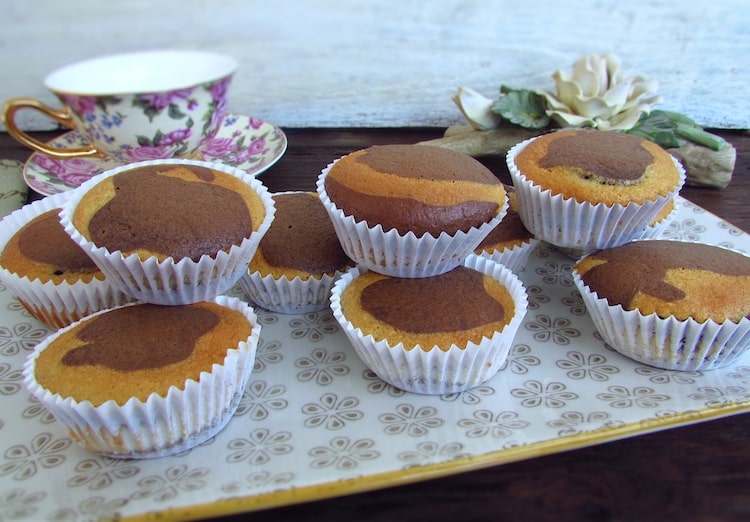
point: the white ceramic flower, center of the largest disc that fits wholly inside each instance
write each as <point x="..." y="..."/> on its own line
<point x="597" y="95"/>
<point x="476" y="108"/>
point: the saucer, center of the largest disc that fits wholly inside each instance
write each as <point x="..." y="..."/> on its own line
<point x="244" y="142"/>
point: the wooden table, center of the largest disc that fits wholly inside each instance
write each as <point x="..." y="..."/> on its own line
<point x="694" y="473"/>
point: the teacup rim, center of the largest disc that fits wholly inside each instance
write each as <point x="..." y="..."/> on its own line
<point x="75" y="78"/>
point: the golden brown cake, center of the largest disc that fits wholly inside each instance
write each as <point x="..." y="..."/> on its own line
<point x="169" y="210"/>
<point x="664" y="213"/>
<point x="298" y="259"/>
<point x="170" y="231"/>
<point x="433" y="335"/>
<point x="671" y="278"/>
<point x="135" y="351"/>
<point x="510" y="242"/>
<point x="50" y="274"/>
<point x="511" y="231"/>
<point x="417" y="188"/>
<point x="599" y="166"/>
<point x="426" y="311"/>
<point x="410" y="210"/>
<point x="301" y="241"/>
<point x="125" y="381"/>
<point x="42" y="250"/>
<point x="670" y="304"/>
<point x="583" y="190"/>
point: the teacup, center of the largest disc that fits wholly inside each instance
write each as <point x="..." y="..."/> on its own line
<point x="134" y="106"/>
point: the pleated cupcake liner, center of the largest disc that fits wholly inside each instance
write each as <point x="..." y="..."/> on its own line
<point x="653" y="231"/>
<point x="402" y="255"/>
<point x="513" y="258"/>
<point x="289" y="296"/>
<point x="433" y="370"/>
<point x="656" y="229"/>
<point x="668" y="343"/>
<point x="55" y="304"/>
<point x="581" y="227"/>
<point x="173" y="282"/>
<point x="188" y="415"/>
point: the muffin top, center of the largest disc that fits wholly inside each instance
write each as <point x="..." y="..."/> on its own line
<point x="671" y="278"/>
<point x="138" y="350"/>
<point x="607" y="167"/>
<point x="457" y="307"/>
<point x="417" y="188"/>
<point x="42" y="250"/>
<point x="509" y="233"/>
<point x="178" y="211"/>
<point x="301" y="241"/>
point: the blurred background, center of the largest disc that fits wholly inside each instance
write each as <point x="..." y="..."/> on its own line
<point x="370" y="63"/>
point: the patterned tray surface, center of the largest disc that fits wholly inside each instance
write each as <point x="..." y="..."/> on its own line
<point x="315" y="422"/>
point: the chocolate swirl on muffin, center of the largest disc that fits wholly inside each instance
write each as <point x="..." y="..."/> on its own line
<point x="417" y="188"/>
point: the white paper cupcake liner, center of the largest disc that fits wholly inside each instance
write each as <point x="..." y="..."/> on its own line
<point x="667" y="343"/>
<point x="396" y="255"/>
<point x="652" y="231"/>
<point x="436" y="371"/>
<point x="158" y="426"/>
<point x="56" y="305"/>
<point x="289" y="296"/>
<point x="581" y="226"/>
<point x="171" y="282"/>
<point x="656" y="230"/>
<point x="514" y="258"/>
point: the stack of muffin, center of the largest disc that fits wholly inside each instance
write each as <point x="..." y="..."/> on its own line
<point x="422" y="310"/>
<point x="601" y="197"/>
<point x="149" y="358"/>
<point x="407" y="215"/>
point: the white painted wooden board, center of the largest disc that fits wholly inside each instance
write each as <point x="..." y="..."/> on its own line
<point x="360" y="63"/>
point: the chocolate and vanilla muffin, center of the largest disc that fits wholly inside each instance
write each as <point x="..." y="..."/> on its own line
<point x="298" y="259"/>
<point x="417" y="334"/>
<point x="584" y="190"/>
<point x="50" y="275"/>
<point x="671" y="304"/>
<point x="411" y="210"/>
<point x="170" y="231"/>
<point x="510" y="243"/>
<point x="144" y="380"/>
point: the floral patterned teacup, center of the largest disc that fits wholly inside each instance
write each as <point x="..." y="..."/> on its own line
<point x="135" y="106"/>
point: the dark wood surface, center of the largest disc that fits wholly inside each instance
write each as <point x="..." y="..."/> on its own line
<point x="692" y="473"/>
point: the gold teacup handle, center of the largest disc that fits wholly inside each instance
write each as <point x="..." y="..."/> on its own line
<point x="61" y="116"/>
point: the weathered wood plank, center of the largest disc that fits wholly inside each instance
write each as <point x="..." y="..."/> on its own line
<point x="359" y="63"/>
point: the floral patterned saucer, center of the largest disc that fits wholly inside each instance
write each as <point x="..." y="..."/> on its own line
<point x="241" y="141"/>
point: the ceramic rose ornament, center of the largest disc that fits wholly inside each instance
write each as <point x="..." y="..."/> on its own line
<point x="596" y="94"/>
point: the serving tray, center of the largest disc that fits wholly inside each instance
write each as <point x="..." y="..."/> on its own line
<point x="314" y="422"/>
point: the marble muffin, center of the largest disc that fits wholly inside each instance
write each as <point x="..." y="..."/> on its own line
<point x="589" y="189"/>
<point x="170" y="231"/>
<point x="411" y="210"/>
<point x="672" y="304"/>
<point x="433" y="335"/>
<point x="42" y="250"/>
<point x="51" y="275"/>
<point x="510" y="243"/>
<point x="298" y="259"/>
<point x="144" y="380"/>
